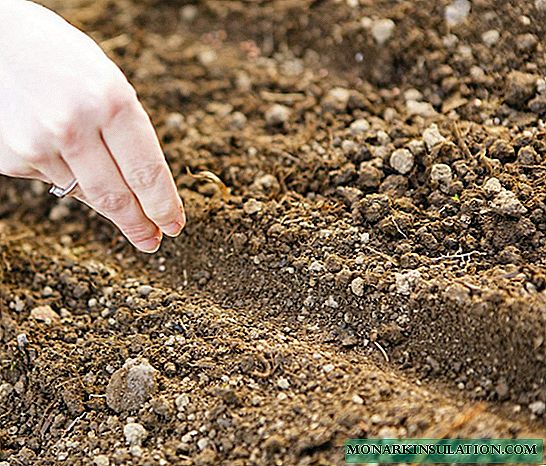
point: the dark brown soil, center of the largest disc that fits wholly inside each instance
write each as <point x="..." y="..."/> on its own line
<point x="331" y="293"/>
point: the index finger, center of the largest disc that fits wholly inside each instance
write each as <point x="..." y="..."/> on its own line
<point x="134" y="146"/>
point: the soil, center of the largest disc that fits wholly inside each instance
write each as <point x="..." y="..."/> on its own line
<point x="334" y="289"/>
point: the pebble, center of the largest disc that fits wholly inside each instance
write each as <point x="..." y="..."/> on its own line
<point x="357" y="399"/>
<point x="336" y="100"/>
<point x="145" y="290"/>
<point x="277" y="115"/>
<point x="520" y="87"/>
<point x="45" y="314"/>
<point x="327" y="368"/>
<point x="101" y="460"/>
<point x="413" y="94"/>
<point x="402" y="161"/>
<point x="432" y="136"/>
<point x="357" y="286"/>
<point x="441" y="173"/>
<point x="182" y="401"/>
<point x="283" y="383"/>
<point x="506" y="203"/>
<point x="359" y="126"/>
<point x="22" y="341"/>
<point x="457" y="12"/>
<point x="131" y="385"/>
<point x="537" y="407"/>
<point x="424" y="109"/>
<point x="202" y="443"/>
<point x="491" y="37"/>
<point x="174" y="120"/>
<point x="382" y="30"/>
<point x="252" y="206"/>
<point x="492" y="186"/>
<point x="92" y="302"/>
<point x="47" y="291"/>
<point x="237" y="121"/>
<point x="135" y="433"/>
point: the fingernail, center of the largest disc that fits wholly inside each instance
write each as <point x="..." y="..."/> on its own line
<point x="173" y="229"/>
<point x="150" y="245"/>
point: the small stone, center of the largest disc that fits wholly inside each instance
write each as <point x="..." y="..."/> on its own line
<point x="327" y="368"/>
<point x="202" y="443"/>
<point x="22" y="341"/>
<point x="441" y="173"/>
<point x="135" y="433"/>
<point x="174" y="120"/>
<point x="540" y="5"/>
<point x="402" y="161"/>
<point x="506" y="203"/>
<point x="336" y="100"/>
<point x="131" y="386"/>
<point x="45" y="314"/>
<point x="359" y="126"/>
<point x="277" y="115"/>
<point x="283" y="383"/>
<point x="47" y="291"/>
<point x="457" y="12"/>
<point x="237" y="121"/>
<point x="92" y="302"/>
<point x="537" y="407"/>
<point x="357" y="399"/>
<point x="520" y="87"/>
<point x="145" y="290"/>
<point x="432" y="136"/>
<point x="424" y="109"/>
<point x="188" y="13"/>
<point x="101" y="460"/>
<point x="491" y="37"/>
<point x="413" y="94"/>
<point x="492" y="186"/>
<point x="207" y="57"/>
<point x="252" y="206"/>
<point x="182" y="401"/>
<point x="358" y="286"/>
<point x="382" y="30"/>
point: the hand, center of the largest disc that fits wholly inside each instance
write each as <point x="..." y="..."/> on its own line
<point x="67" y="112"/>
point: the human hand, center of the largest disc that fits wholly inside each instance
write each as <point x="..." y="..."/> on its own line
<point x="67" y="112"/>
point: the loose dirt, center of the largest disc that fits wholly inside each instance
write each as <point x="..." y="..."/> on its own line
<point x="374" y="268"/>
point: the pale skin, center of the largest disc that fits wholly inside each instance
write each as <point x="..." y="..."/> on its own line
<point x="67" y="112"/>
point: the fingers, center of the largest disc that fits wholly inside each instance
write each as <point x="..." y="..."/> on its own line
<point x="104" y="190"/>
<point x="132" y="142"/>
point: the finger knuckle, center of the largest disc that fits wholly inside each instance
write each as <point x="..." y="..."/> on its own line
<point x="146" y="176"/>
<point x="120" y="97"/>
<point x="112" y="202"/>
